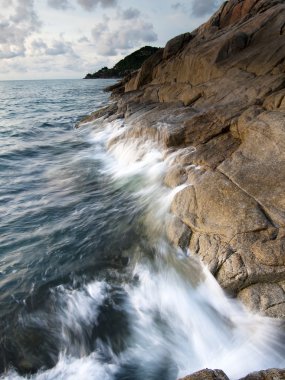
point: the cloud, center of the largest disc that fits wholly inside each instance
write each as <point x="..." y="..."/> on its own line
<point x="25" y="14"/>
<point x="18" y="67"/>
<point x="88" y="5"/>
<point x="16" y="28"/>
<point x="43" y="67"/>
<point x="91" y="4"/>
<point x="126" y="35"/>
<point x="181" y="8"/>
<point x="177" y="6"/>
<point x="6" y="3"/>
<point x="59" y="4"/>
<point x="38" y="47"/>
<point x="205" y="7"/>
<point x="60" y="48"/>
<point x="99" y="31"/>
<point x="83" y="40"/>
<point x="56" y="47"/>
<point x="8" y="54"/>
<point x="130" y="13"/>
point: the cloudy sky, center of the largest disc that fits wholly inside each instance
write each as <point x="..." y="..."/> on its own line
<point x="42" y="39"/>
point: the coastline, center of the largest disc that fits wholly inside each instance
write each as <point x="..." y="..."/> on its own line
<point x="216" y="97"/>
<point x="227" y="129"/>
<point x="226" y="124"/>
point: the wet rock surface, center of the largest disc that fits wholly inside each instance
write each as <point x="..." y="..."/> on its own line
<point x="207" y="374"/>
<point x="216" y="96"/>
<point x="270" y="374"/>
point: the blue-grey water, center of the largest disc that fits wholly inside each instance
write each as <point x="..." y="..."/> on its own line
<point x="89" y="286"/>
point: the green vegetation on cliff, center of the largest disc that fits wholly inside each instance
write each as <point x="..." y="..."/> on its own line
<point x="126" y="65"/>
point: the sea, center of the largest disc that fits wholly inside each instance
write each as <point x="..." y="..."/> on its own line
<point x="90" y="286"/>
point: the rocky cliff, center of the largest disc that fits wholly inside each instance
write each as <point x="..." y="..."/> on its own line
<point x="217" y="97"/>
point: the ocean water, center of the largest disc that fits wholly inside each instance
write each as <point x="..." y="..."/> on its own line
<point x="90" y="288"/>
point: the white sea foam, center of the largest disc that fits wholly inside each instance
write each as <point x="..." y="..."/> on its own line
<point x="179" y="317"/>
<point x="73" y="369"/>
<point x="197" y="325"/>
<point x="204" y="327"/>
<point x="178" y="314"/>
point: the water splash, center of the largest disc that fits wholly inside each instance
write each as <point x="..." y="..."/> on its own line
<point x="163" y="315"/>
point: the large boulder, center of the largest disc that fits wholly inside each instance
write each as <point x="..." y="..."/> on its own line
<point x="215" y="205"/>
<point x="207" y="374"/>
<point x="176" y="44"/>
<point x="270" y="374"/>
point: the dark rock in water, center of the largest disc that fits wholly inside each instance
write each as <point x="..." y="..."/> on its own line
<point x="270" y="374"/>
<point x="102" y="112"/>
<point x="217" y="94"/>
<point x="207" y="374"/>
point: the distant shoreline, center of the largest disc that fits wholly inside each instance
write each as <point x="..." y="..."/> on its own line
<point x="125" y="66"/>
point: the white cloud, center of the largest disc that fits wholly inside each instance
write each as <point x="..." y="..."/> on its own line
<point x="99" y="31"/>
<point x="19" y="67"/>
<point x="59" y="4"/>
<point x="6" y="3"/>
<point x="83" y="40"/>
<point x="16" y="28"/>
<point x="44" y="66"/>
<point x="127" y="34"/>
<point x="91" y="4"/>
<point x="130" y="13"/>
<point x="178" y="6"/>
<point x="39" y="47"/>
<point x="8" y="54"/>
<point x="61" y="47"/>
<point x="88" y="5"/>
<point x="25" y="14"/>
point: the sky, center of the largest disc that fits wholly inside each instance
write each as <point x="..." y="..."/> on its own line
<point x="46" y="39"/>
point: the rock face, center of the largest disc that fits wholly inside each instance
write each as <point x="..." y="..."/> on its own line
<point x="207" y="374"/>
<point x="270" y="374"/>
<point x="217" y="97"/>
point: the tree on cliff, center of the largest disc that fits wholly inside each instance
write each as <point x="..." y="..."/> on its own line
<point x="126" y="65"/>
